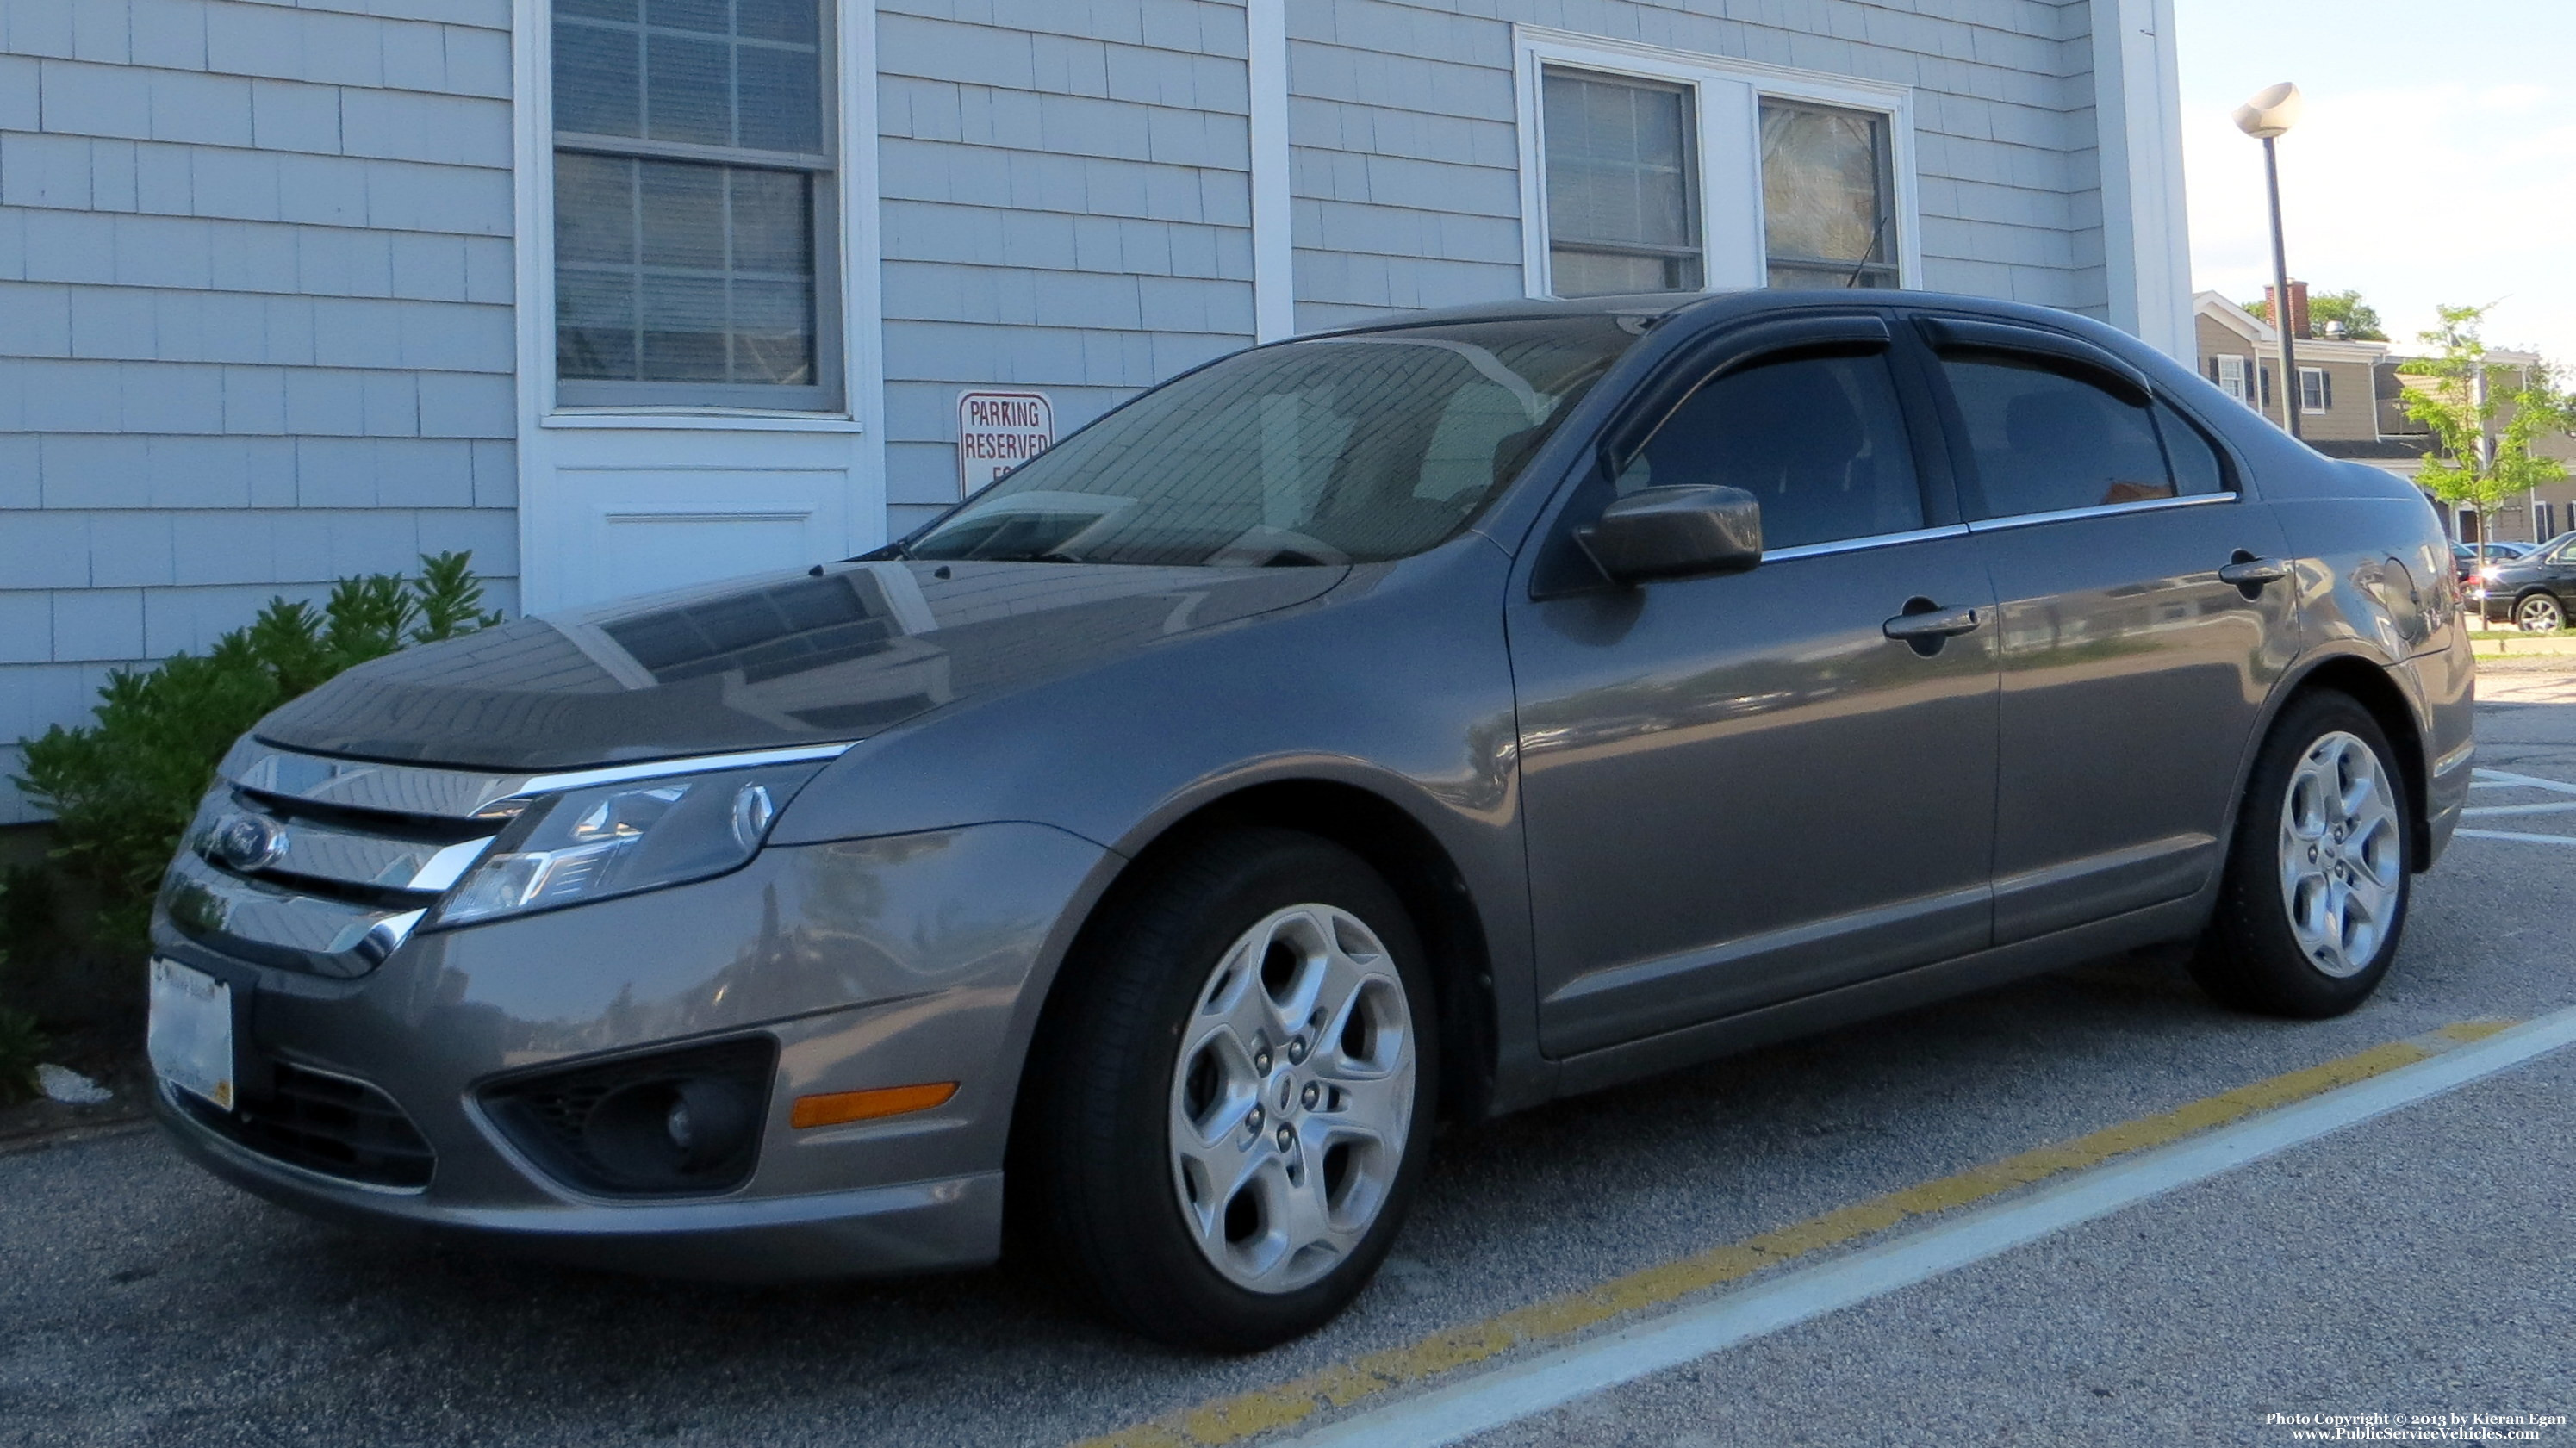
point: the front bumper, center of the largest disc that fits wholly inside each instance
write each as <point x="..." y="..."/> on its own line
<point x="870" y="963"/>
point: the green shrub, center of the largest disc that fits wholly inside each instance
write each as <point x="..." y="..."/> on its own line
<point x="123" y="788"/>
<point x="21" y="1047"/>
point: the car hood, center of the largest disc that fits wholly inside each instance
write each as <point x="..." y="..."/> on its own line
<point x="764" y="662"/>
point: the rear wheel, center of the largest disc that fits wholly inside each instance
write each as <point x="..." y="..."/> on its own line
<point x="1234" y="1108"/>
<point x="2540" y="613"/>
<point x="2321" y="873"/>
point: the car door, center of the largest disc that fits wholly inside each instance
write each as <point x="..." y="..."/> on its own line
<point x="1743" y="789"/>
<point x="2146" y="611"/>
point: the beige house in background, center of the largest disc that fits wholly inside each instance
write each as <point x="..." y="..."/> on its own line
<point x="2350" y="406"/>
<point x="2337" y="395"/>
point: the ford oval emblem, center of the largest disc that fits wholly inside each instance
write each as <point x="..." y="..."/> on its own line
<point x="249" y="843"/>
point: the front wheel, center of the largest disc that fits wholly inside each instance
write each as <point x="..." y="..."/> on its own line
<point x="2540" y="613"/>
<point x="1234" y="1105"/>
<point x="2320" y="875"/>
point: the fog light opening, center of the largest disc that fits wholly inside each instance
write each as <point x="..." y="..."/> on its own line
<point x="667" y="1134"/>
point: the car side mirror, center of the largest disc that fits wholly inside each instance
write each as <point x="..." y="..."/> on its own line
<point x="1685" y="531"/>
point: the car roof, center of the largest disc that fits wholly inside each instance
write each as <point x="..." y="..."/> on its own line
<point x="1713" y="305"/>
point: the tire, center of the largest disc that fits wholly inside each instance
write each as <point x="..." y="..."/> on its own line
<point x="2539" y="613"/>
<point x="1234" y="1104"/>
<point x="2321" y="872"/>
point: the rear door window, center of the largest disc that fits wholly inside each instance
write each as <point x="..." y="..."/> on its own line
<point x="2048" y="441"/>
<point x="1820" y="442"/>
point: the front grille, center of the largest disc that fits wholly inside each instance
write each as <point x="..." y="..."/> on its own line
<point x="321" y="865"/>
<point x="550" y="1116"/>
<point x="332" y="1125"/>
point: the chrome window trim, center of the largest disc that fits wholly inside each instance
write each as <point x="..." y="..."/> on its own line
<point x="1855" y="545"/>
<point x="2104" y="510"/>
<point x="429" y="790"/>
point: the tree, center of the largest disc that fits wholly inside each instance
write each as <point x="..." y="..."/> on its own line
<point x="2360" y="319"/>
<point x="2477" y="463"/>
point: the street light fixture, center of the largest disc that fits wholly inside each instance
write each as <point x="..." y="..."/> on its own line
<point x="2266" y="118"/>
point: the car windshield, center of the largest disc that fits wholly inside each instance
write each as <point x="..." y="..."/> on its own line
<point x="1338" y="450"/>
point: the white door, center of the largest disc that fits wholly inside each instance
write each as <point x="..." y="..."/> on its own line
<point x="700" y="385"/>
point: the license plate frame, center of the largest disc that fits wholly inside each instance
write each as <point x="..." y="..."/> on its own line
<point x="190" y="1038"/>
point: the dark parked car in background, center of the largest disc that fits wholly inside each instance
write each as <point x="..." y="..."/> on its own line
<point x="2535" y="590"/>
<point x="2473" y="556"/>
<point x="1407" y="723"/>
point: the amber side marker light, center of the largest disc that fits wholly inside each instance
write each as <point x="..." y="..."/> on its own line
<point x="839" y="1107"/>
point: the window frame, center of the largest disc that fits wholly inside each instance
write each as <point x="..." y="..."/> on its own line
<point x="1694" y="176"/>
<point x="1726" y="96"/>
<point x="1888" y="265"/>
<point x="2241" y="387"/>
<point x="827" y="396"/>
<point x="2325" y="391"/>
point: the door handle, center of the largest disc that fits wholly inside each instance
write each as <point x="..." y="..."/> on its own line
<point x="2251" y="572"/>
<point x="1936" y="623"/>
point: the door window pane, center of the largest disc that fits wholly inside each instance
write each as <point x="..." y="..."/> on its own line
<point x="2046" y="441"/>
<point x="677" y="271"/>
<point x="706" y="72"/>
<point x="1827" y="217"/>
<point x="1622" y="197"/>
<point x="1819" y="441"/>
<point x="2196" y="468"/>
<point x="674" y="267"/>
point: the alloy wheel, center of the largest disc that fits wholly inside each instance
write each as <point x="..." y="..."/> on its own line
<point x="2540" y="613"/>
<point x="1292" y="1098"/>
<point x="2342" y="861"/>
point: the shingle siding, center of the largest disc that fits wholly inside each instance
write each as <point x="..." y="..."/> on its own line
<point x="1066" y="205"/>
<point x="1050" y="172"/>
<point x="255" y="319"/>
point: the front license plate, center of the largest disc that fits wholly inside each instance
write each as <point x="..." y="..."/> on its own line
<point x="191" y="1036"/>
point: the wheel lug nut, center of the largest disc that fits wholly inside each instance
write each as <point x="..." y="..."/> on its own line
<point x="1308" y="1097"/>
<point x="1297" y="1051"/>
<point x="1261" y="1061"/>
<point x="1287" y="1138"/>
<point x="1255" y="1119"/>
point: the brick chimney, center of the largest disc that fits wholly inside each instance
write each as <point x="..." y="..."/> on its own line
<point x="2298" y="309"/>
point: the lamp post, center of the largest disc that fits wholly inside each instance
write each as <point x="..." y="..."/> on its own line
<point x="2266" y="118"/>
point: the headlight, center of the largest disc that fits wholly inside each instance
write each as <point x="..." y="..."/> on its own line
<point x="616" y="839"/>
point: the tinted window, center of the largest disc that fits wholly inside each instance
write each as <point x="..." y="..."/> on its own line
<point x="1819" y="440"/>
<point x="2197" y="470"/>
<point x="1340" y="449"/>
<point x="2046" y="441"/>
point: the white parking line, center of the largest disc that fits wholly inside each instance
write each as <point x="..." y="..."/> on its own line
<point x="1540" y="1384"/>
<point x="2506" y="779"/>
<point x="2510" y="835"/>
<point x="2558" y="806"/>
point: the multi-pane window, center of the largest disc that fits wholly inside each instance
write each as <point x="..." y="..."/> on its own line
<point x="2316" y="390"/>
<point x="693" y="181"/>
<point x="1828" y="212"/>
<point x="2230" y="374"/>
<point x="1622" y="185"/>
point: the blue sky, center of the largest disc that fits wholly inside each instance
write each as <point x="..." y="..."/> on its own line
<point x="2436" y="162"/>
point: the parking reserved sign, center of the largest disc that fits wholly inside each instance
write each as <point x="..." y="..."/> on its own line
<point x="998" y="431"/>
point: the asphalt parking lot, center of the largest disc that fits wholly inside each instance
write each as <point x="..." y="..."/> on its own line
<point x="2419" y="1262"/>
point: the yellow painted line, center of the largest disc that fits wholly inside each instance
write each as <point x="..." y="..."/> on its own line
<point x="1263" y="1410"/>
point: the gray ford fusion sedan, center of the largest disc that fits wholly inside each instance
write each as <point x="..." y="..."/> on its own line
<point x="1407" y="724"/>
